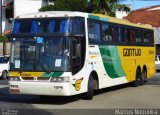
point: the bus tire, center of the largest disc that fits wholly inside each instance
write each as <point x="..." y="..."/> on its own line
<point x="4" y="75"/>
<point x="136" y="83"/>
<point x="143" y="77"/>
<point x="90" y="92"/>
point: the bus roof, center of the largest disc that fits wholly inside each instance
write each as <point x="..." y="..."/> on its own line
<point x="120" y="21"/>
<point x="54" y="14"/>
<point x="82" y="14"/>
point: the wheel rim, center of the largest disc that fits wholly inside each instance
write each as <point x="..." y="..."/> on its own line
<point x="138" y="77"/>
<point x="95" y="85"/>
<point x="4" y="75"/>
<point x="144" y="75"/>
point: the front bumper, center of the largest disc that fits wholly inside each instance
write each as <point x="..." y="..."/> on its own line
<point x="157" y="66"/>
<point x="40" y="88"/>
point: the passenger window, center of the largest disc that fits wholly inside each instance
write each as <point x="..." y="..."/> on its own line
<point x="132" y="35"/>
<point x="137" y="37"/>
<point x="141" y="35"/>
<point x="111" y="33"/>
<point x="146" y="37"/>
<point x="94" y="31"/>
<point x="105" y="30"/>
<point x="127" y="40"/>
<point x="122" y="34"/>
<point x="79" y="26"/>
<point x="117" y="34"/>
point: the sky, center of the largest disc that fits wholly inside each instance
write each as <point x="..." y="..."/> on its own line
<point x="136" y="4"/>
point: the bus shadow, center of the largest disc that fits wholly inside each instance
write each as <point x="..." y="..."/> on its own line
<point x="154" y="83"/>
<point x="113" y="88"/>
<point x="5" y="96"/>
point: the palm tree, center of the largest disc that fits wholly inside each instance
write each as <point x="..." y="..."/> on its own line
<point x="107" y="7"/>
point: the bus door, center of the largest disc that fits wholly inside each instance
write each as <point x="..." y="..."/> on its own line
<point x="78" y="54"/>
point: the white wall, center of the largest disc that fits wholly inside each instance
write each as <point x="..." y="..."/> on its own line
<point x="21" y="7"/>
<point x="121" y="14"/>
<point x="0" y="17"/>
<point x="157" y="35"/>
<point x="5" y="24"/>
<point x="27" y="6"/>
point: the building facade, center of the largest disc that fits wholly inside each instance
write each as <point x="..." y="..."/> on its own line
<point x="9" y="9"/>
<point x="0" y="17"/>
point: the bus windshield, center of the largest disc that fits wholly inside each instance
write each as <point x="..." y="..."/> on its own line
<point x="74" y="25"/>
<point x="60" y="25"/>
<point x="40" y="54"/>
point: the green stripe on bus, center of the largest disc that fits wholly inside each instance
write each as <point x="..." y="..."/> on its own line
<point x="98" y="18"/>
<point x="52" y="74"/>
<point x="111" y="61"/>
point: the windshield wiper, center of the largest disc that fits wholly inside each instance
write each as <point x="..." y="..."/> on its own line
<point x="46" y="68"/>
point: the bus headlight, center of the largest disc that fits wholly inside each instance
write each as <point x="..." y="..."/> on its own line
<point x="14" y="79"/>
<point x="60" y="79"/>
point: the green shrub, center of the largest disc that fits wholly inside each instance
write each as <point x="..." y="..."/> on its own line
<point x="4" y="38"/>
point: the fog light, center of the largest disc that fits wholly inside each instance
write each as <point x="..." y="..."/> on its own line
<point x="14" y="79"/>
<point x="60" y="79"/>
<point x="14" y="86"/>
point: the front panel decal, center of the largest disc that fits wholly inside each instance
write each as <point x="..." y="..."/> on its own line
<point x="36" y="74"/>
<point x="111" y="61"/>
<point x="77" y="84"/>
<point x="98" y="18"/>
<point x="52" y="74"/>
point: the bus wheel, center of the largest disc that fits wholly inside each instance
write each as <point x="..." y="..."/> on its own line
<point x="95" y="84"/>
<point x="90" y="92"/>
<point x="4" y="75"/>
<point x="144" y="77"/>
<point x="136" y="83"/>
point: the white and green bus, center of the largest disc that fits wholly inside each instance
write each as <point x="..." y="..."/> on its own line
<point x="68" y="53"/>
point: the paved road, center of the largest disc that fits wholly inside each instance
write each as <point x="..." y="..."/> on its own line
<point x="119" y="97"/>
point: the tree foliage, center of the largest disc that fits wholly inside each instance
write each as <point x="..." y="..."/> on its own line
<point x="67" y="5"/>
<point x="4" y="38"/>
<point x="107" y="7"/>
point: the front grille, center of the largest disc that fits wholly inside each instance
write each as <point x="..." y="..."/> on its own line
<point x="36" y="78"/>
<point x="28" y="78"/>
<point x="43" y="78"/>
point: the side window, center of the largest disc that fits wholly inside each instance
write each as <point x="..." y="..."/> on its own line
<point x="122" y="34"/>
<point x="105" y="32"/>
<point x="137" y="36"/>
<point x="108" y="33"/>
<point x="94" y="31"/>
<point x="111" y="33"/>
<point x="147" y="37"/>
<point x="78" y="26"/>
<point x="132" y="35"/>
<point x="117" y="34"/>
<point x="141" y="35"/>
<point x="151" y="37"/>
<point x="128" y="39"/>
